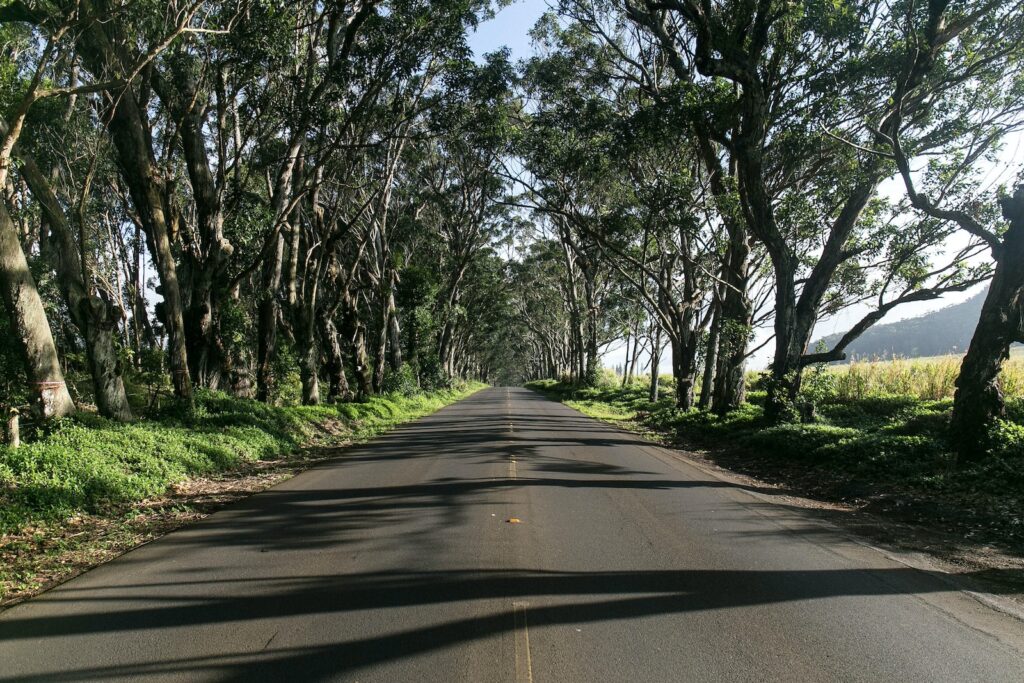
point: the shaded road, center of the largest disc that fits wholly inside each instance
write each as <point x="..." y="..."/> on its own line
<point x="397" y="563"/>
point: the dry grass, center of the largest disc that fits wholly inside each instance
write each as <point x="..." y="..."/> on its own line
<point x="930" y="379"/>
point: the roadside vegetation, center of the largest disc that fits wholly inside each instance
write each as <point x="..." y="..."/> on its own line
<point x="878" y="439"/>
<point x="90" y="487"/>
<point x="207" y="203"/>
<point x="229" y="230"/>
<point x="742" y="173"/>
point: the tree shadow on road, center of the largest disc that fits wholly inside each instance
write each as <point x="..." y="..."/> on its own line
<point x="279" y="525"/>
<point x="556" y="598"/>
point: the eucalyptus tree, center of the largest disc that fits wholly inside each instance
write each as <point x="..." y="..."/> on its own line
<point x="966" y="62"/>
<point x="535" y="276"/>
<point x="28" y="318"/>
<point x="797" y="110"/>
<point x="459" y="171"/>
<point x="626" y="53"/>
<point x="629" y="188"/>
<point x="22" y="302"/>
<point x="92" y="305"/>
<point x="118" y="46"/>
<point x="44" y="61"/>
<point x="565" y="177"/>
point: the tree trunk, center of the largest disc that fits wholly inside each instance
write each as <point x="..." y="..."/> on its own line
<point x="134" y="153"/>
<point x="737" y="319"/>
<point x="635" y="360"/>
<point x="266" y="329"/>
<point x="625" y="364"/>
<point x="592" y="363"/>
<point x="413" y="342"/>
<point x="28" y="322"/>
<point x="142" y="328"/>
<point x="206" y="362"/>
<point x="95" y="317"/>
<point x="354" y="331"/>
<point x="334" y="360"/>
<point x="730" y="388"/>
<point x="204" y="277"/>
<point x="130" y="132"/>
<point x="710" y="359"/>
<point x="655" y="362"/>
<point x="785" y="369"/>
<point x="394" y="333"/>
<point x="979" y="397"/>
<point x="380" y="352"/>
<point x="684" y="357"/>
<point x="309" y="356"/>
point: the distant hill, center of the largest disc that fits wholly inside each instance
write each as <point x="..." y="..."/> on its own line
<point x="947" y="330"/>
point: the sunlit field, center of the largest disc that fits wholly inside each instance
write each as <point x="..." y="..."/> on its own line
<point x="931" y="379"/>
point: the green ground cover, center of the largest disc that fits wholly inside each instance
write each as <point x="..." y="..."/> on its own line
<point x="90" y="464"/>
<point x="884" y="449"/>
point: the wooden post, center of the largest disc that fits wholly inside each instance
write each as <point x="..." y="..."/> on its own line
<point x="13" y="433"/>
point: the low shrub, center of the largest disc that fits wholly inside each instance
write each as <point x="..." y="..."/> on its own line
<point x="401" y="382"/>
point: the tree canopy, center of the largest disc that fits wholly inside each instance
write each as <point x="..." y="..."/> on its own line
<point x="333" y="200"/>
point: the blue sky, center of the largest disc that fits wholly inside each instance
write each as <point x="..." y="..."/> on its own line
<point x="510" y="28"/>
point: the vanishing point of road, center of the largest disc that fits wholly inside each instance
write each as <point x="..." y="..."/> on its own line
<point x="509" y="538"/>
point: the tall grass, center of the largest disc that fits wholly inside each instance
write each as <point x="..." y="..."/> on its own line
<point x="929" y="379"/>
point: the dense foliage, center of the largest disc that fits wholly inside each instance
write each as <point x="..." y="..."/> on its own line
<point x="304" y="201"/>
<point x="709" y="170"/>
<point x="286" y="201"/>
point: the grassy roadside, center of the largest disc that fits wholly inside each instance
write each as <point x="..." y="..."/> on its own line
<point x="90" y="489"/>
<point x="881" y="454"/>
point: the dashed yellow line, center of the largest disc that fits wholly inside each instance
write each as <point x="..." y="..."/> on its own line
<point x="524" y="668"/>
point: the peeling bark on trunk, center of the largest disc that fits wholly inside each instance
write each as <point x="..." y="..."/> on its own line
<point x="979" y="397"/>
<point x="28" y="320"/>
<point x="96" y="318"/>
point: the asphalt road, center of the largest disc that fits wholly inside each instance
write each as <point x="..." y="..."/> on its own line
<point x="397" y="562"/>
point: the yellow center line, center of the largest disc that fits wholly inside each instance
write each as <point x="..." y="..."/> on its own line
<point x="524" y="669"/>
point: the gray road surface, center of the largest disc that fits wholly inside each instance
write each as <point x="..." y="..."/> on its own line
<point x="397" y="562"/>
